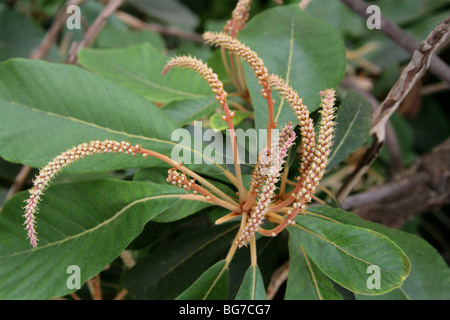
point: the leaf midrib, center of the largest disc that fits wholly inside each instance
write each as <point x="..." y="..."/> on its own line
<point x="192" y="253"/>
<point x="98" y="226"/>
<point x="341" y="142"/>
<point x="131" y="135"/>
<point x="153" y="84"/>
<point x="288" y="70"/>
<point x="340" y="248"/>
<point x="311" y="271"/>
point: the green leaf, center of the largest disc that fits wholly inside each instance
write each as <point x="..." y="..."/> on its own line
<point x="66" y="105"/>
<point x="172" y="267"/>
<point x="429" y="278"/>
<point x="405" y="11"/>
<point x="310" y="55"/>
<point x="353" y="122"/>
<point x="172" y="12"/>
<point x="139" y="68"/>
<point x="252" y="287"/>
<point x="344" y="253"/>
<point x="48" y="108"/>
<point x="305" y="280"/>
<point x="187" y="111"/>
<point x="87" y="224"/>
<point x="212" y="284"/>
<point x="19" y="35"/>
<point x="338" y="15"/>
<point x="114" y="37"/>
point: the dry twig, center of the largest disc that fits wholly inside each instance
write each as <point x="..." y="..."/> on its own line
<point x="410" y="75"/>
<point x="401" y="38"/>
<point x="93" y="30"/>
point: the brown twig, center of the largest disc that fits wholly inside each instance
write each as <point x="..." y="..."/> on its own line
<point x="50" y="37"/>
<point x="136" y="23"/>
<point x="121" y="295"/>
<point x="19" y="181"/>
<point x="39" y="53"/>
<point x="410" y="75"/>
<point x="423" y="186"/>
<point x="127" y="259"/>
<point x="74" y="296"/>
<point x="95" y="288"/>
<point x="401" y="38"/>
<point x="434" y="88"/>
<point x="93" y="31"/>
<point x="278" y="278"/>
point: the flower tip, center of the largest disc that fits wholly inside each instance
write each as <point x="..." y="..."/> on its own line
<point x="166" y="68"/>
<point x="328" y="93"/>
<point x="33" y="239"/>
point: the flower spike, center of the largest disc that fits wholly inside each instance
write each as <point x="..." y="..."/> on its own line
<point x="323" y="149"/>
<point x="311" y="177"/>
<point x="201" y="68"/>
<point x="236" y="47"/>
<point x="308" y="144"/>
<point x="278" y="154"/>
<point x="217" y="87"/>
<point x="239" y="17"/>
<point x="52" y="169"/>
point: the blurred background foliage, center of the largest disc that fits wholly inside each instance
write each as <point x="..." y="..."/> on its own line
<point x="374" y="64"/>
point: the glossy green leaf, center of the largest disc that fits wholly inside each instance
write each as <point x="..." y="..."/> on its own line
<point x="353" y="122"/>
<point x="139" y="68"/>
<point x="172" y="267"/>
<point x="252" y="287"/>
<point x="87" y="224"/>
<point x="187" y="111"/>
<point x="346" y="254"/>
<point x="212" y="284"/>
<point x="115" y="37"/>
<point x="19" y="36"/>
<point x="429" y="278"/>
<point x="309" y="54"/>
<point x="338" y="15"/>
<point x="305" y="280"/>
<point x="48" y="108"/>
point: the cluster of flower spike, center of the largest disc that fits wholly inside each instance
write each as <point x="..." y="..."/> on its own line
<point x="270" y="162"/>
<point x="278" y="154"/>
<point x="319" y="161"/>
<point x="52" y="169"/>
